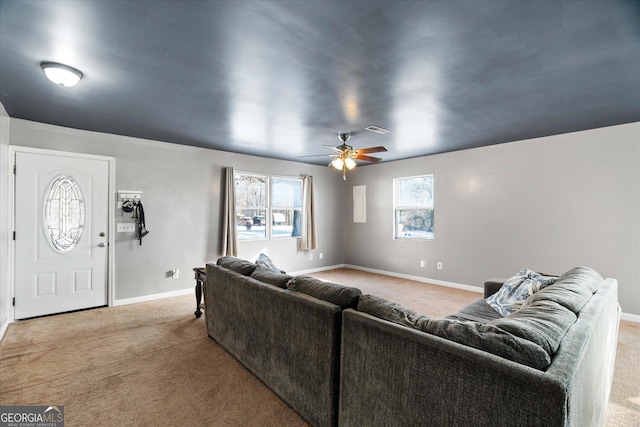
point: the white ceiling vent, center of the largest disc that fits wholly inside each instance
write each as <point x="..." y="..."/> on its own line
<point x="377" y="129"/>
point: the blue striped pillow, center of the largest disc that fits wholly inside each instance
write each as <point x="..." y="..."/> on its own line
<point x="517" y="289"/>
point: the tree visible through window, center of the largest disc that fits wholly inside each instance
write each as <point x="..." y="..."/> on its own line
<point x="413" y="206"/>
<point x="251" y="206"/>
<point x="286" y="207"/>
<point x="262" y="214"/>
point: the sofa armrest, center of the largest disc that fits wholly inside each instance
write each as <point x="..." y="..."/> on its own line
<point x="492" y="286"/>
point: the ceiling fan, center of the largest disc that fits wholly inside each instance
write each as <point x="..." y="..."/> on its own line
<point x="345" y="155"/>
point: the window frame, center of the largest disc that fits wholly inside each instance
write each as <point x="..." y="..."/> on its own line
<point x="397" y="209"/>
<point x="269" y="207"/>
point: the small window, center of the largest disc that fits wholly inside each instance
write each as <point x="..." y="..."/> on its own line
<point x="413" y="207"/>
<point x="64" y="214"/>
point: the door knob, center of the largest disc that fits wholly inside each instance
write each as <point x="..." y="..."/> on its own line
<point x="101" y="245"/>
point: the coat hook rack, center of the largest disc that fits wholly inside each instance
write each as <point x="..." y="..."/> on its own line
<point x="127" y="200"/>
<point x="128" y="195"/>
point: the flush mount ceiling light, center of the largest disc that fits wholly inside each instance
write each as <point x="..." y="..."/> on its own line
<point x="61" y="74"/>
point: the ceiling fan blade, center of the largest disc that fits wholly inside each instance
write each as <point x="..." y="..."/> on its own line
<point x="368" y="158"/>
<point x="321" y="155"/>
<point x="378" y="149"/>
<point x="332" y="147"/>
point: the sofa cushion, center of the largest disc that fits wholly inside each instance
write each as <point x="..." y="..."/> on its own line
<point x="267" y="275"/>
<point x="517" y="289"/>
<point x="388" y="310"/>
<point x="542" y="322"/>
<point x="572" y="290"/>
<point x="238" y="265"/>
<point x="264" y="261"/>
<point x="344" y="296"/>
<point x="477" y="311"/>
<point x="473" y="334"/>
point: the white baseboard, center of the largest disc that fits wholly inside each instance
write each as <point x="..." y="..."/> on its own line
<point x="153" y="297"/>
<point x="315" y="270"/>
<point x="417" y="278"/>
<point x="630" y="317"/>
<point x="3" y="328"/>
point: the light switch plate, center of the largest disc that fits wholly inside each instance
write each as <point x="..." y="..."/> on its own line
<point x="125" y="227"/>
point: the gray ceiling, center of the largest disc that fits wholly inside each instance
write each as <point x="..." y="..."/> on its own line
<point x="281" y="78"/>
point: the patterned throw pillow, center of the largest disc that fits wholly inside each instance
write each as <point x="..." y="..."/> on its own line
<point x="512" y="295"/>
<point x="265" y="261"/>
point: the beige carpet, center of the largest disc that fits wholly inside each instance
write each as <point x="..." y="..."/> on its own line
<point x="153" y="364"/>
<point x="148" y="364"/>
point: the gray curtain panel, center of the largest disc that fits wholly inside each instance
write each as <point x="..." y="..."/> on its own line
<point x="308" y="238"/>
<point x="229" y="232"/>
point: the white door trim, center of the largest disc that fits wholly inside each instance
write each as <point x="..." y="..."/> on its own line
<point x="13" y="149"/>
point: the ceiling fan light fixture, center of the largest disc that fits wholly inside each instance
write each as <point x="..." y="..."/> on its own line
<point x="61" y="74"/>
<point x="349" y="163"/>
<point x="338" y="163"/>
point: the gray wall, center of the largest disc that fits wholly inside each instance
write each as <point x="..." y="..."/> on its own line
<point x="182" y="200"/>
<point x="547" y="204"/>
<point x="5" y="288"/>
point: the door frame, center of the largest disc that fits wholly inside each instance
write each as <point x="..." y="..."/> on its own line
<point x="13" y="149"/>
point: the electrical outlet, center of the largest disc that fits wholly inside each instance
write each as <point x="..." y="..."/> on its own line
<point x="321" y="255"/>
<point x="175" y="273"/>
<point x="439" y="265"/>
<point x="126" y="227"/>
<point x="422" y="263"/>
<point x="310" y="257"/>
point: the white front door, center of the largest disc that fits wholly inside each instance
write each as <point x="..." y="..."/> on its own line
<point x="61" y="224"/>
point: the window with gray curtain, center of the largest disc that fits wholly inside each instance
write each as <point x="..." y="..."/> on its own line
<point x="268" y="207"/>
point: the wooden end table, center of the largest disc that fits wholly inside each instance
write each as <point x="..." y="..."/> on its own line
<point x="201" y="277"/>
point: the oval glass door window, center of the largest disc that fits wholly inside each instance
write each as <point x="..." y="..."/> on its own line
<point x="64" y="214"/>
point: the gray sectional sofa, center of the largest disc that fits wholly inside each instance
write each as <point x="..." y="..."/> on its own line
<point x="285" y="330"/>
<point x="342" y="358"/>
<point x="549" y="364"/>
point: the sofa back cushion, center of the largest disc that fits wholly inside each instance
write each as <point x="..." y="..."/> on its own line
<point x="572" y="290"/>
<point x="238" y="265"/>
<point x="542" y="322"/>
<point x="548" y="314"/>
<point x="473" y="334"/>
<point x="477" y="311"/>
<point x="267" y="275"/>
<point x="344" y="296"/>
